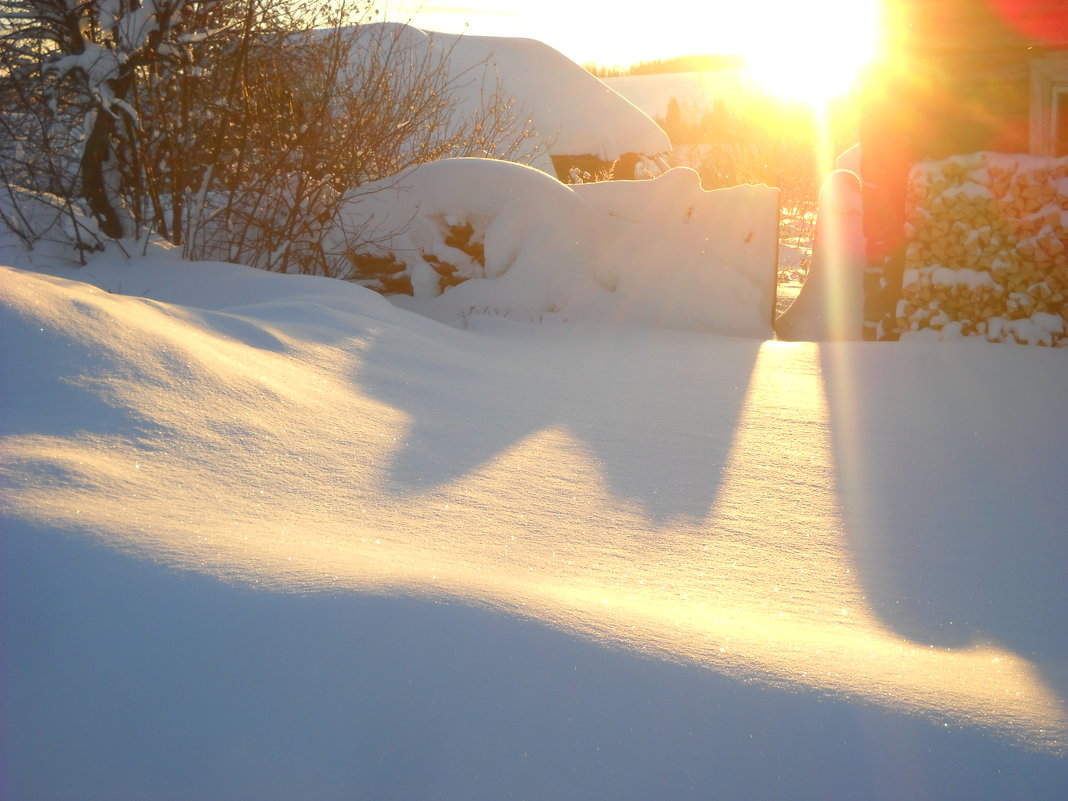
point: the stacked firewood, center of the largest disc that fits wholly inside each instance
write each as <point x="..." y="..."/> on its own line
<point x="987" y="249"/>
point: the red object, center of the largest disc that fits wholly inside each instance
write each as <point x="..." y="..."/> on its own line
<point x="1044" y="21"/>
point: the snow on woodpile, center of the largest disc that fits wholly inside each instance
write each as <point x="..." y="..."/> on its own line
<point x="988" y="249"/>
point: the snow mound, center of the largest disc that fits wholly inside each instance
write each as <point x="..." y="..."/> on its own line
<point x="830" y="305"/>
<point x="483" y="234"/>
<point x="881" y="525"/>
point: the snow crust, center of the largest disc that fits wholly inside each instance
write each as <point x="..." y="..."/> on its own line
<point x="221" y="486"/>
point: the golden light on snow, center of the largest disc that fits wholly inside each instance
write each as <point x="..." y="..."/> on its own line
<point x="285" y="475"/>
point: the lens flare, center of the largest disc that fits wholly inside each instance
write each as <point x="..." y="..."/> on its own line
<point x="1039" y="20"/>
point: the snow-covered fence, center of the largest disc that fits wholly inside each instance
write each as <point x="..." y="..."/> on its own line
<point x="475" y="233"/>
<point x="987" y="251"/>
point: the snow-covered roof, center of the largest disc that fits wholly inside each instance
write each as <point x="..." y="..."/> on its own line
<point x="572" y="111"/>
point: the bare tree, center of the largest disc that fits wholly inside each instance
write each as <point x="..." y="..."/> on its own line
<point x="231" y="129"/>
<point x="85" y="61"/>
<point x="358" y="104"/>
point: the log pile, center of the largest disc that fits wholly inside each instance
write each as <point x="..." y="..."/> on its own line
<point x="987" y="249"/>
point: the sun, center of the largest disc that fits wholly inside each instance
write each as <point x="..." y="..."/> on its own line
<point x="809" y="51"/>
<point x="805" y="50"/>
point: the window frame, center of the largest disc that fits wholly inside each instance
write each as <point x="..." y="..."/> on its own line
<point x="1049" y="90"/>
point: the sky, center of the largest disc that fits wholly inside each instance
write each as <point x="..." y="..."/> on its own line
<point x="599" y="32"/>
<point x="821" y="43"/>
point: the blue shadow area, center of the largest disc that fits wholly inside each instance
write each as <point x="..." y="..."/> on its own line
<point x="60" y="408"/>
<point x="473" y="396"/>
<point x="123" y="679"/>
<point x="956" y="520"/>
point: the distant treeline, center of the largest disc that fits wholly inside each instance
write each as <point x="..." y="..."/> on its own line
<point x="670" y="65"/>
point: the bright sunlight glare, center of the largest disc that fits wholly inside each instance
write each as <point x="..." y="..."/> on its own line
<point x="808" y="51"/>
<point x="811" y="52"/>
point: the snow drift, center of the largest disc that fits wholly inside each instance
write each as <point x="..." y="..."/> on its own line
<point x="879" y="527"/>
<point x="661" y="252"/>
<point x="268" y="536"/>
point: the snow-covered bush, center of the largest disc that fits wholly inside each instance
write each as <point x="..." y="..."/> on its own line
<point x="458" y="234"/>
<point x="227" y="128"/>
<point x="74" y="76"/>
<point x="40" y="218"/>
<point x="366" y="102"/>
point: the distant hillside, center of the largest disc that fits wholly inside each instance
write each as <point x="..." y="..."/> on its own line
<point x="706" y="63"/>
<point x="695" y="91"/>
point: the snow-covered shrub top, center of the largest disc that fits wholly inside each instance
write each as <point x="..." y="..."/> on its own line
<point x="478" y="233"/>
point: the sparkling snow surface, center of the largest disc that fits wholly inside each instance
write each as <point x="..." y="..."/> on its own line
<point x="843" y="565"/>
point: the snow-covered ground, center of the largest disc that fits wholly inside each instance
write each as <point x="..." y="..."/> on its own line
<point x="274" y="537"/>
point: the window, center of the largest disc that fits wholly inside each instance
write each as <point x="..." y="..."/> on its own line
<point x="1060" y="122"/>
<point x="1049" y="106"/>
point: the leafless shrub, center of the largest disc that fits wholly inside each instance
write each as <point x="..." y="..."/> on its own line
<point x="399" y="101"/>
<point x="231" y="129"/>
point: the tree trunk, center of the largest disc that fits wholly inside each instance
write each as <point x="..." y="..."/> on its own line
<point x="96" y="162"/>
